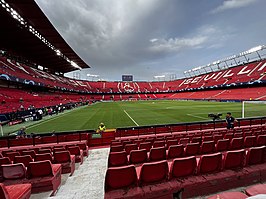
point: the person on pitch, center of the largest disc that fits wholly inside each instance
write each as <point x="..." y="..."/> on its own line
<point x="101" y="128"/>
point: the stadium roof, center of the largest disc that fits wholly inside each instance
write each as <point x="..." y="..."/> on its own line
<point x="46" y="46"/>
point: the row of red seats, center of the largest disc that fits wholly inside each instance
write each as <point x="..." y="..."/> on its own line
<point x="134" y="155"/>
<point x="42" y="175"/>
<point x="156" y="180"/>
<point x="254" y="190"/>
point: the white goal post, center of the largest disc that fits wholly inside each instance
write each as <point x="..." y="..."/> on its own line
<point x="250" y="102"/>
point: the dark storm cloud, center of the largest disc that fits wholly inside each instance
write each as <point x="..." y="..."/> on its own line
<point x="153" y="37"/>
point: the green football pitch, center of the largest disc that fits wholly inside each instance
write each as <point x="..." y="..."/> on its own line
<point x="137" y="113"/>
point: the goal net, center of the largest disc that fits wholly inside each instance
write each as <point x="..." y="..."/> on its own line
<point x="253" y="108"/>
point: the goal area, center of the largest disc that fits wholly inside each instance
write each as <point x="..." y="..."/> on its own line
<point x="253" y="108"/>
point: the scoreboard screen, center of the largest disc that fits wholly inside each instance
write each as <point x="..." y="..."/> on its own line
<point x="127" y="78"/>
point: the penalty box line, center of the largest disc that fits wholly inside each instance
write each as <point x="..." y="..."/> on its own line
<point x="131" y="118"/>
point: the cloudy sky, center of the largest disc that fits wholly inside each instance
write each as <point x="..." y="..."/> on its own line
<point x="155" y="37"/>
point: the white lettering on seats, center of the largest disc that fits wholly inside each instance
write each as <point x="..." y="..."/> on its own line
<point x="243" y="71"/>
<point x="227" y="74"/>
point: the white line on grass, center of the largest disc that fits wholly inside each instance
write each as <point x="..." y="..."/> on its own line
<point x="196" y="116"/>
<point x="131" y="118"/>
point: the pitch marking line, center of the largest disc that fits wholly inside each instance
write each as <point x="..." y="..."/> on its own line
<point x="196" y="116"/>
<point x="131" y="118"/>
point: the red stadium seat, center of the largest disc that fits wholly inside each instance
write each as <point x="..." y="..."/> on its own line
<point x="238" y="135"/>
<point x="44" y="176"/>
<point x="11" y="155"/>
<point x="5" y="160"/>
<point x="236" y="143"/>
<point x="229" y="195"/>
<point x="159" y="144"/>
<point x="249" y="141"/>
<point x="14" y="171"/>
<point x="125" y="142"/>
<point x="84" y="148"/>
<point x="66" y="160"/>
<point x="196" y="140"/>
<point x="255" y="155"/>
<point x="116" y="148"/>
<point x="171" y="142"/>
<point x="158" y="153"/>
<point x="207" y="138"/>
<point x="192" y="149"/>
<point x="25" y="159"/>
<point x="229" y="136"/>
<point x="75" y="150"/>
<point x="42" y="151"/>
<point x="154" y="172"/>
<point x="261" y="140"/>
<point x="130" y="147"/>
<point x="138" y="156"/>
<point x="184" y="141"/>
<point x="222" y="145"/>
<point x="145" y="145"/>
<point x="117" y="159"/>
<point x="217" y="137"/>
<point x="256" y="190"/>
<point x="32" y="153"/>
<point x="207" y="147"/>
<point x="182" y="167"/>
<point x="175" y="151"/>
<point x="57" y="149"/>
<point x="210" y="163"/>
<point x="234" y="159"/>
<point x="18" y="191"/>
<point x="45" y="156"/>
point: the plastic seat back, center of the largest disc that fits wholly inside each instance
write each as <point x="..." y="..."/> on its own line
<point x="261" y="140"/>
<point x="42" y="151"/>
<point x="159" y="144"/>
<point x="138" y="156"/>
<point x="236" y="143"/>
<point x="192" y="149"/>
<point x="158" y="153"/>
<point x="154" y="172"/>
<point x="207" y="138"/>
<point x="11" y="155"/>
<point x="229" y="136"/>
<point x="13" y="171"/>
<point x="249" y="141"/>
<point x="116" y="148"/>
<point x="25" y="159"/>
<point x="182" y="167"/>
<point x="255" y="155"/>
<point x="130" y="147"/>
<point x="45" y="156"/>
<point x="184" y="141"/>
<point x="145" y="145"/>
<point x="207" y="147"/>
<point x="120" y="177"/>
<point x="196" y="140"/>
<point x="62" y="157"/>
<point x="32" y="153"/>
<point x="175" y="151"/>
<point x="39" y="169"/>
<point x="5" y="160"/>
<point x="217" y="137"/>
<point x="3" y="192"/>
<point x="234" y="159"/>
<point x="117" y="159"/>
<point x="222" y="145"/>
<point x="74" y="150"/>
<point x="210" y="163"/>
<point x="171" y="143"/>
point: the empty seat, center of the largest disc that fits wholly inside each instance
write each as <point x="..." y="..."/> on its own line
<point x="184" y="141"/>
<point x="32" y="153"/>
<point x="234" y="159"/>
<point x="125" y="142"/>
<point x="210" y="163"/>
<point x="117" y="159"/>
<point x="14" y="171"/>
<point x="138" y="156"/>
<point x="255" y="155"/>
<point x="130" y="147"/>
<point x="56" y="149"/>
<point x="236" y="143"/>
<point x="192" y="149"/>
<point x="171" y="142"/>
<point x="217" y="137"/>
<point x="44" y="176"/>
<point x="238" y="135"/>
<point x="229" y="195"/>
<point x="158" y="144"/>
<point x="249" y="141"/>
<point x="207" y="147"/>
<point x="75" y="150"/>
<point x="5" y="160"/>
<point x="42" y="151"/>
<point x="11" y="155"/>
<point x="261" y="140"/>
<point x="25" y="159"/>
<point x="66" y="160"/>
<point x="84" y="148"/>
<point x="196" y="140"/>
<point x="182" y="167"/>
<point x="145" y="145"/>
<point x="116" y="148"/>
<point x="229" y="136"/>
<point x="175" y="151"/>
<point x="44" y="156"/>
<point x="158" y="153"/>
<point x="153" y="172"/>
<point x="207" y="138"/>
<point x="18" y="191"/>
<point x="222" y="145"/>
<point x="256" y="189"/>
<point x="120" y="177"/>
